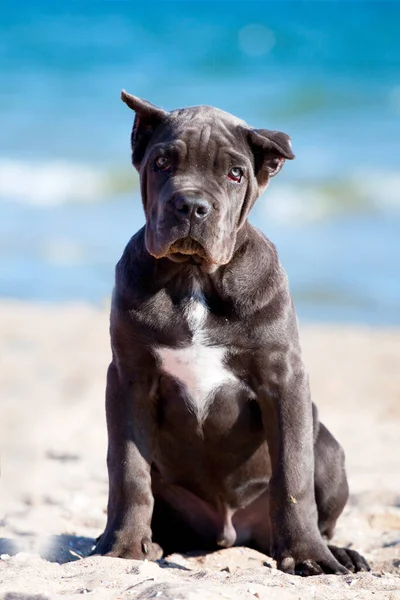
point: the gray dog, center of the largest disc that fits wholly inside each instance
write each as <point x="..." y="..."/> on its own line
<point x="213" y="438"/>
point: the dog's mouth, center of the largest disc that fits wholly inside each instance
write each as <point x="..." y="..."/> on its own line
<point x="190" y="251"/>
<point x="185" y="249"/>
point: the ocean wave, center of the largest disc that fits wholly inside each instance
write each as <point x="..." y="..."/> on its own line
<point x="57" y="182"/>
<point x="307" y="201"/>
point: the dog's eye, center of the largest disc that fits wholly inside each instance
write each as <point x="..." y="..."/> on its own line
<point x="236" y="174"/>
<point x="162" y="163"/>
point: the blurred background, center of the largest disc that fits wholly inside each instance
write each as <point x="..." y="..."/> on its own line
<point x="326" y="72"/>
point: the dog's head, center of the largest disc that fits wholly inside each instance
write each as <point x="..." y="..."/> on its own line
<point x="201" y="170"/>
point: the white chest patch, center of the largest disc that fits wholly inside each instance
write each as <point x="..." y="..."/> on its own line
<point x="199" y="366"/>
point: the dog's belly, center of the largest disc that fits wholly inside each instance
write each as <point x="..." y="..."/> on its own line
<point x="223" y="459"/>
<point x="216" y="476"/>
<point x="200" y="370"/>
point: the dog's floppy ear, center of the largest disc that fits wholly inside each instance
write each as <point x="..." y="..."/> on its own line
<point x="270" y="149"/>
<point x="147" y="119"/>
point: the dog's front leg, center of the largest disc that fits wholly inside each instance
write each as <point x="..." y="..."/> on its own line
<point x="131" y="434"/>
<point x="286" y="408"/>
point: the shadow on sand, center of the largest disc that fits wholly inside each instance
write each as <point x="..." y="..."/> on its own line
<point x="67" y="548"/>
<point x="57" y="548"/>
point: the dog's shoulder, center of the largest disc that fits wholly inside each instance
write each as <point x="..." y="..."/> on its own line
<point x="134" y="271"/>
<point x="255" y="275"/>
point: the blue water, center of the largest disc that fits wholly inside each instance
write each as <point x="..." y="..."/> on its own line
<point x="326" y="72"/>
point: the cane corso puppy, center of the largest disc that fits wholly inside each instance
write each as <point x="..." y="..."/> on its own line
<point x="213" y="438"/>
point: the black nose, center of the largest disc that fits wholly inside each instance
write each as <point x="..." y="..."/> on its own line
<point x="193" y="209"/>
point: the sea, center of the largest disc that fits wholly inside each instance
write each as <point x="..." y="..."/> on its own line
<point x="327" y="72"/>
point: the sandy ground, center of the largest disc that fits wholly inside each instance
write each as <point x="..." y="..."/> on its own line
<point x="54" y="482"/>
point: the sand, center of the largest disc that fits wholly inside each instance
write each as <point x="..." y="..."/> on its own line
<point x="53" y="485"/>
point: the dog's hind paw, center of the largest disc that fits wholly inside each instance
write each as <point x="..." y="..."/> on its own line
<point x="351" y="559"/>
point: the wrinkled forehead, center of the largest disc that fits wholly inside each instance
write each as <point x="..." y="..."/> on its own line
<point x="204" y="125"/>
<point x="206" y="114"/>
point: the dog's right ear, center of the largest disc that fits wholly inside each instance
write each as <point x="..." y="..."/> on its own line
<point x="147" y="119"/>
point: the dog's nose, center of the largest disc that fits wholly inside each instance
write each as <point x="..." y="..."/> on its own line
<point x="193" y="209"/>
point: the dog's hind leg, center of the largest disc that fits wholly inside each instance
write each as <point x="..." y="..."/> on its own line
<point x="331" y="487"/>
<point x="181" y="521"/>
<point x="331" y="494"/>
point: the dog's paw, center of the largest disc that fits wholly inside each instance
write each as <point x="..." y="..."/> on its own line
<point x="351" y="559"/>
<point x="121" y="547"/>
<point x="313" y="560"/>
<point x="151" y="550"/>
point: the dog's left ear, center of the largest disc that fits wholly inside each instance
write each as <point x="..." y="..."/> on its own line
<point x="270" y="150"/>
<point x="148" y="118"/>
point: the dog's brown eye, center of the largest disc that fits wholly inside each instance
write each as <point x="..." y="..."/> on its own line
<point x="236" y="174"/>
<point x="162" y="163"/>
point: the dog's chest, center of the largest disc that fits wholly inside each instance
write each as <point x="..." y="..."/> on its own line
<point x="199" y="366"/>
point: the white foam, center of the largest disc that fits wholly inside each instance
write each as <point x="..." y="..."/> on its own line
<point x="49" y="183"/>
<point x="312" y="201"/>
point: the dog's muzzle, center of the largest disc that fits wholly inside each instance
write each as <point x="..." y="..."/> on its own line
<point x="190" y="207"/>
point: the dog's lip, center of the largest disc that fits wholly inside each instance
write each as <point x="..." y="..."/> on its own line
<point x="189" y="250"/>
<point x="184" y="258"/>
<point x="188" y="246"/>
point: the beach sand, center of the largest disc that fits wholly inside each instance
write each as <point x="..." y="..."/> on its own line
<point x="53" y="482"/>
